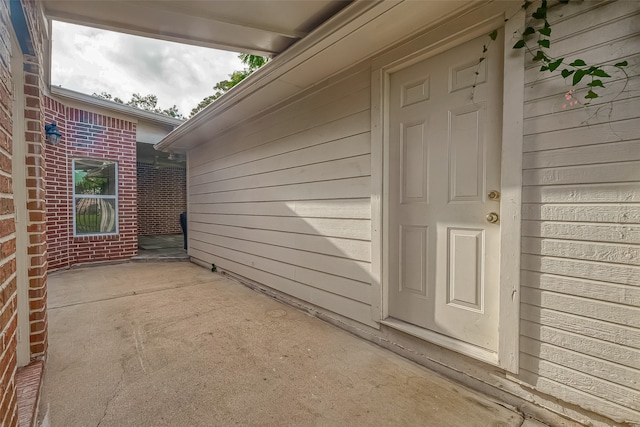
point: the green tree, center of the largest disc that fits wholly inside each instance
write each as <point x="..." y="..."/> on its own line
<point x="106" y="95"/>
<point x="252" y="62"/>
<point x="147" y="102"/>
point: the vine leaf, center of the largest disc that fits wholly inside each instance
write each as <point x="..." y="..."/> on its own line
<point x="599" y="73"/>
<point x="579" y="74"/>
<point x="544" y="43"/>
<point x="541" y="12"/>
<point x="539" y="56"/>
<point x="493" y="34"/>
<point x="621" y="64"/>
<point x="566" y="73"/>
<point x="519" y="44"/>
<point x="528" y="31"/>
<point x="555" y="64"/>
<point x="591" y="95"/>
<point x="578" y="63"/>
<point x="595" y="83"/>
<point x="526" y="5"/>
<point x="546" y="31"/>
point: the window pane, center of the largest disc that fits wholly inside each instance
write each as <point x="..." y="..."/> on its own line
<point x="95" y="177"/>
<point x="94" y="216"/>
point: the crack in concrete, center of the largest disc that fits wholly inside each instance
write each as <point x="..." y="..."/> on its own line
<point x="133" y="294"/>
<point x="115" y="393"/>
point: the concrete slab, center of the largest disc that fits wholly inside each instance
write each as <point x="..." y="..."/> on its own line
<point x="172" y="344"/>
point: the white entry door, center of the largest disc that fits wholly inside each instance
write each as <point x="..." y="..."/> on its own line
<point x="444" y="149"/>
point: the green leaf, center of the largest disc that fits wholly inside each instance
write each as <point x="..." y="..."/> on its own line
<point x="484" y="49"/>
<point x="528" y="31"/>
<point x="566" y="73"/>
<point x="541" y="12"/>
<point x="493" y="34"/>
<point x="539" y="56"/>
<point x="578" y="63"/>
<point x="481" y="59"/>
<point x="579" y="74"/>
<point x="519" y="44"/>
<point x="621" y="64"/>
<point x="595" y="83"/>
<point x="599" y="73"/>
<point x="544" y="43"/>
<point x="544" y="68"/>
<point x="526" y="5"/>
<point x="555" y="64"/>
<point x="591" y="95"/>
<point x="545" y="31"/>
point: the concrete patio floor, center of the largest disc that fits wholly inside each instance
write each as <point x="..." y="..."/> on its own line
<point x="172" y="344"/>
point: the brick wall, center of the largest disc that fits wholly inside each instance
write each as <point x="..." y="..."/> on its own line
<point x="161" y="199"/>
<point x="32" y="40"/>
<point x="36" y="222"/>
<point x="87" y="135"/>
<point x="8" y="297"/>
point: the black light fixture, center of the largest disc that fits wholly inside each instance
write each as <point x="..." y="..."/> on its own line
<point x="52" y="133"/>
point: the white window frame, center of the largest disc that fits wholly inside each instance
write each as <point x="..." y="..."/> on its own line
<point x="93" y="196"/>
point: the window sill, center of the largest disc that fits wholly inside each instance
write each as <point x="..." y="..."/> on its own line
<point x="96" y="238"/>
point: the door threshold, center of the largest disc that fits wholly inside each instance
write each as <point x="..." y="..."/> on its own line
<point x="458" y="346"/>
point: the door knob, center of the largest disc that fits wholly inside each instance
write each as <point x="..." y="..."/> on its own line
<point x="492" y="217"/>
<point x="494" y="195"/>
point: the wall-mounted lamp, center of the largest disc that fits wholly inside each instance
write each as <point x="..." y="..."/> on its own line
<point x="52" y="133"/>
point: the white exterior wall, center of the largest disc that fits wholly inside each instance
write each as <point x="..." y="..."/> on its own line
<point x="284" y="200"/>
<point x="580" y="295"/>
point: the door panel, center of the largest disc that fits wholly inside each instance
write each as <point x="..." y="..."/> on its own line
<point x="444" y="158"/>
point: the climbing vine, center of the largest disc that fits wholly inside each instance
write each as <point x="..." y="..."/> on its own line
<point x="536" y="40"/>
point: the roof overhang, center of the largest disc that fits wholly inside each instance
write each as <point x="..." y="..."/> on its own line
<point x="261" y="27"/>
<point x="105" y="104"/>
<point x="359" y="31"/>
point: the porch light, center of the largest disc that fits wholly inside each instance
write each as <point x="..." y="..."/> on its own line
<point x="53" y="135"/>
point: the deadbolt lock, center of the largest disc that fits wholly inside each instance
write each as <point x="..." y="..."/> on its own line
<point x="492" y="217"/>
<point x="494" y="195"/>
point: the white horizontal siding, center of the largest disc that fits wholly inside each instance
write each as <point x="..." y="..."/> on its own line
<point x="285" y="200"/>
<point x="580" y="328"/>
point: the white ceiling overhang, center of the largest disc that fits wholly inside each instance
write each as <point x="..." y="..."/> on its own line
<point x="261" y="27"/>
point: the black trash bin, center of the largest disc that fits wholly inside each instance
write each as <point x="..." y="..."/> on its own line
<point x="183" y="224"/>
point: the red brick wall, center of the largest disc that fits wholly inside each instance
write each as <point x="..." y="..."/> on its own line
<point x="94" y="136"/>
<point x="33" y="43"/>
<point x="161" y="199"/>
<point x="8" y="297"/>
<point x="34" y="69"/>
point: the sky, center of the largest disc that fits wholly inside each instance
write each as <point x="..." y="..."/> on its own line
<point x="90" y="60"/>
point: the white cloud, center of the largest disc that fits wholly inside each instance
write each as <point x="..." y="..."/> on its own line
<point x="89" y="60"/>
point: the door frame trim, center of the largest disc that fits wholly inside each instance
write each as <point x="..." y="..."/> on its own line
<point x="463" y="28"/>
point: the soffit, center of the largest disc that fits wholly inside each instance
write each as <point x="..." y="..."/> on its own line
<point x="262" y="27"/>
